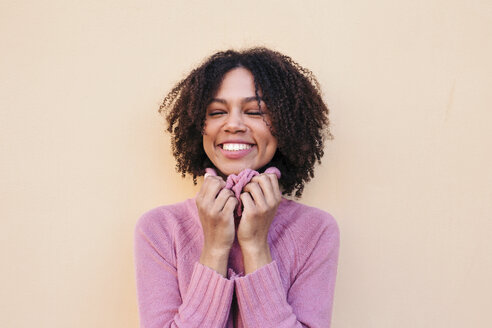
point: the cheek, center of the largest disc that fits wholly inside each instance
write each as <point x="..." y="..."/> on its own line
<point x="207" y="142"/>
<point x="273" y="147"/>
<point x="208" y="133"/>
<point x="270" y="140"/>
<point x="273" y="143"/>
<point x="270" y="144"/>
<point x="210" y="129"/>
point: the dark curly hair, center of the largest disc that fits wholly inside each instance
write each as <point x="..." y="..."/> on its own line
<point x="291" y="93"/>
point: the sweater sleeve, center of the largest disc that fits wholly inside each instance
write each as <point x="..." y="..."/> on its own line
<point x="263" y="301"/>
<point x="208" y="297"/>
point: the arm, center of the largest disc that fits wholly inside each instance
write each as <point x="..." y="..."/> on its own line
<point x="263" y="301"/>
<point x="207" y="300"/>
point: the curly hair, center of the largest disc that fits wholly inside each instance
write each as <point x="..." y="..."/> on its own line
<point x="292" y="95"/>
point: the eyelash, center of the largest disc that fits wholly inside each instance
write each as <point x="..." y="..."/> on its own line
<point x="247" y="113"/>
<point x="215" y="113"/>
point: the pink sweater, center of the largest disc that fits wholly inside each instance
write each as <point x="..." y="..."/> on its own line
<point x="295" y="290"/>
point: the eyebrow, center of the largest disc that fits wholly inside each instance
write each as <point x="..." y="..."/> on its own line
<point x="244" y="101"/>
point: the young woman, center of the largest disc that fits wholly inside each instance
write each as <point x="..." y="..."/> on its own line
<point x="239" y="254"/>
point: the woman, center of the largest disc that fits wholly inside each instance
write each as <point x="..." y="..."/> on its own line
<point x="248" y="257"/>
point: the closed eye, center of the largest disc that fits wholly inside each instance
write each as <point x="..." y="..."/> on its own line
<point x="254" y="113"/>
<point x="215" y="113"/>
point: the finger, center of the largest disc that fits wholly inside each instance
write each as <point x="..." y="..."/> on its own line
<point x="256" y="193"/>
<point x="211" y="188"/>
<point x="275" y="185"/>
<point x="222" y="199"/>
<point x="247" y="200"/>
<point x="210" y="171"/>
<point x="267" y="188"/>
<point x="230" y="205"/>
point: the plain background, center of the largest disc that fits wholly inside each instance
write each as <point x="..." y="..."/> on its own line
<point x="408" y="175"/>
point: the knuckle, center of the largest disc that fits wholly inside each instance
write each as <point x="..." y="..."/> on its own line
<point x="258" y="178"/>
<point x="263" y="210"/>
<point x="226" y="193"/>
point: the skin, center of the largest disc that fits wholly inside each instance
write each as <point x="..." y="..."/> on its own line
<point x="233" y="115"/>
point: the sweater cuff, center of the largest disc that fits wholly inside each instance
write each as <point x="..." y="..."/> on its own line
<point x="262" y="299"/>
<point x="208" y="299"/>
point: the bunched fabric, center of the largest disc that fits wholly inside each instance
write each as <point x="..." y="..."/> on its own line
<point x="237" y="182"/>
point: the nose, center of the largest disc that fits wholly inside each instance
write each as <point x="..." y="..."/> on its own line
<point x="234" y="122"/>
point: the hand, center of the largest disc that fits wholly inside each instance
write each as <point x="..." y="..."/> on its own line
<point x="216" y="211"/>
<point x="261" y="198"/>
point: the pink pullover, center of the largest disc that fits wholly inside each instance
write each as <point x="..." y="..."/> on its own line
<point x="294" y="290"/>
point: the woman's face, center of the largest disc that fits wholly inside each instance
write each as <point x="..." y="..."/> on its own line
<point x="236" y="135"/>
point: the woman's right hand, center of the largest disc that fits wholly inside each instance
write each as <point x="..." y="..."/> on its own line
<point x="216" y="211"/>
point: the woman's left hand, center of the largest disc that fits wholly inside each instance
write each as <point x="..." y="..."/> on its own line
<point x="260" y="199"/>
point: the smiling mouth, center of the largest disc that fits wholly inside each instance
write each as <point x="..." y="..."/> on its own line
<point x="235" y="146"/>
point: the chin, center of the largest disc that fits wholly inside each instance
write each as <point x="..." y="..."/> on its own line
<point x="234" y="170"/>
<point x="231" y="171"/>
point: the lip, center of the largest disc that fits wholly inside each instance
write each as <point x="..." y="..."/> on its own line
<point x="236" y="142"/>
<point x="236" y="154"/>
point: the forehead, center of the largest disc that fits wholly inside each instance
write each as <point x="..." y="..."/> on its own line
<point x="238" y="82"/>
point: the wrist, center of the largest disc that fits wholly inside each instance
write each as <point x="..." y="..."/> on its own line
<point x="253" y="246"/>
<point x="255" y="257"/>
<point x="216" y="259"/>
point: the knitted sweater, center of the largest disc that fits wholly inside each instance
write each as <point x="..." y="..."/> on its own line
<point x="294" y="290"/>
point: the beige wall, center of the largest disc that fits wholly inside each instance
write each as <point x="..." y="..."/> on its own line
<point x="408" y="176"/>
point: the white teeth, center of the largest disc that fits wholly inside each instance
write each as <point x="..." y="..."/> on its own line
<point x="235" y="147"/>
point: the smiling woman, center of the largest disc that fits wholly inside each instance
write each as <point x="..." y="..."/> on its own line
<point x="248" y="258"/>
<point x="237" y="132"/>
